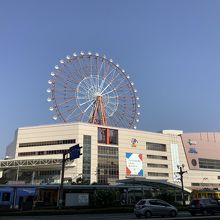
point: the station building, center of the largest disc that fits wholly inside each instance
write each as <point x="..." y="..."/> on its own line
<point x="35" y="155"/>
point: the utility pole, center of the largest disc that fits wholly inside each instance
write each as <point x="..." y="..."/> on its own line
<point x="74" y="153"/>
<point x="181" y="172"/>
<point x="61" y="182"/>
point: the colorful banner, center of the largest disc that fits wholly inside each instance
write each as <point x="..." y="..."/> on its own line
<point x="134" y="165"/>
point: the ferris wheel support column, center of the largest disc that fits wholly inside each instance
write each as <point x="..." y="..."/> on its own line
<point x="95" y="118"/>
<point x="100" y="117"/>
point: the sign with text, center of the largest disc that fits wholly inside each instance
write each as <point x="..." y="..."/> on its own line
<point x="134" y="165"/>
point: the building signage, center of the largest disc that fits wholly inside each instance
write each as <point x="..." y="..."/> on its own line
<point x="192" y="149"/>
<point x="134" y="165"/>
<point x="191" y="142"/>
<point x="134" y="142"/>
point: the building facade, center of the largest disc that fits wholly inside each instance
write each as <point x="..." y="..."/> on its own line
<point x="112" y="154"/>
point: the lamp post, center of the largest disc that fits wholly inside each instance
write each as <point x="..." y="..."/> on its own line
<point x="181" y="172"/>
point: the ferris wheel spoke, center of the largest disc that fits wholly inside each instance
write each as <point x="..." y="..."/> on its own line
<point x="80" y="116"/>
<point x="105" y="78"/>
<point x="96" y="83"/>
<point x="76" y="74"/>
<point x="111" y="111"/>
<point x="86" y="87"/>
<point x="90" y="61"/>
<point x="63" y="111"/>
<point x="81" y="68"/>
<point x="64" y="97"/>
<point x="111" y="91"/>
<point x="89" y="86"/>
<point x="67" y="75"/>
<point x="71" y="112"/>
<point x="86" y="102"/>
<point x="113" y="97"/>
<point x="64" y="89"/>
<point x="82" y="97"/>
<point x="124" y="113"/>
<point x="121" y="119"/>
<point x="120" y="85"/>
<point x="88" y="107"/>
<point x="106" y="70"/>
<point x="115" y="122"/>
<point x="81" y="92"/>
<point x="113" y="103"/>
<point x="111" y="81"/>
<point x="93" y="84"/>
<point x="98" y="73"/>
<point x="62" y="103"/>
<point x="63" y="84"/>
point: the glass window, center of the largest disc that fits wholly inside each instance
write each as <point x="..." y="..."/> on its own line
<point x="45" y="143"/>
<point x="102" y="136"/>
<point x="154" y="165"/>
<point x="153" y="202"/>
<point x="209" y="163"/>
<point x="155" y="146"/>
<point x="157" y="157"/>
<point x="86" y="159"/>
<point x="5" y="196"/>
<point x="108" y="165"/>
<point x="142" y="202"/>
<point x="158" y="174"/>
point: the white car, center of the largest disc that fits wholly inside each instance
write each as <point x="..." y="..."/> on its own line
<point x="154" y="207"/>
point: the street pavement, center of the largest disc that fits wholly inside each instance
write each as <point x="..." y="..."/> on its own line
<point x="116" y="216"/>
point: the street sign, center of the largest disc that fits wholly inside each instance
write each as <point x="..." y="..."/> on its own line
<point x="74" y="152"/>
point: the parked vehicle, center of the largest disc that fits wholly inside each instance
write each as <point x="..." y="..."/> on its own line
<point x="154" y="207"/>
<point x="204" y="206"/>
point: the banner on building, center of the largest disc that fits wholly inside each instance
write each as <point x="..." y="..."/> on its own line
<point x="175" y="162"/>
<point x="134" y="165"/>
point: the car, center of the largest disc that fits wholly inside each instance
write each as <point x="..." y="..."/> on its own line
<point x="204" y="206"/>
<point x="154" y="207"/>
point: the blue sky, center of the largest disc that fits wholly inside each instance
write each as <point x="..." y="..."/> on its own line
<point x="170" y="48"/>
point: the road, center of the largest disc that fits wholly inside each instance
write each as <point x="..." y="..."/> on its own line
<point x="116" y="216"/>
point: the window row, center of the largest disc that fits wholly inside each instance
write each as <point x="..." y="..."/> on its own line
<point x="34" y="153"/>
<point x="155" y="146"/>
<point x="158" y="174"/>
<point x="49" y="172"/>
<point x="157" y="165"/>
<point x="47" y="143"/>
<point x="209" y="163"/>
<point x="208" y="185"/>
<point x="105" y="150"/>
<point x="157" y="157"/>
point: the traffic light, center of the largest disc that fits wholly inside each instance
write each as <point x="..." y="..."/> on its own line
<point x="74" y="152"/>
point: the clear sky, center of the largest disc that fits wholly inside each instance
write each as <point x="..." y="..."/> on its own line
<point x="170" y="48"/>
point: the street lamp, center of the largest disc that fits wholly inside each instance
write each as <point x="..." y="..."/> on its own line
<point x="181" y="172"/>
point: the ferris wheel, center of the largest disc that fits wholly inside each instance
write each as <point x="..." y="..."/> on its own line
<point x="87" y="87"/>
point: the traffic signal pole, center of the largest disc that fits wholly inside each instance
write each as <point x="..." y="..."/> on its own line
<point x="181" y="172"/>
<point x="61" y="181"/>
<point x="74" y="153"/>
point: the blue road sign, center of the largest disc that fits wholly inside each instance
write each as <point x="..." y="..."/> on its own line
<point x="74" y="152"/>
